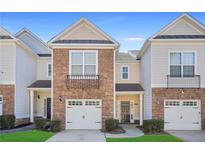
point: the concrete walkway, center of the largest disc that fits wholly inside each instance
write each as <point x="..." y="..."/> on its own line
<point x="189" y="136"/>
<point x="25" y="128"/>
<point x="78" y="136"/>
<point x="130" y="132"/>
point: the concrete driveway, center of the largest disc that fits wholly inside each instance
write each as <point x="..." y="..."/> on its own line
<point x="189" y="136"/>
<point x="78" y="136"/>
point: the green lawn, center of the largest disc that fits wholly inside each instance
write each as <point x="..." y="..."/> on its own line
<point x="26" y="136"/>
<point x="147" y="138"/>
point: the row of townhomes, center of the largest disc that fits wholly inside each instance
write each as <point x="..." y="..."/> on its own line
<point x="80" y="78"/>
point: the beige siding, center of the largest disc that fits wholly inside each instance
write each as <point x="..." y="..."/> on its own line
<point x="42" y="69"/>
<point x="83" y="32"/>
<point x="133" y="73"/>
<point x="182" y="28"/>
<point x="7" y="62"/>
<point x="160" y="60"/>
<point x="145" y="76"/>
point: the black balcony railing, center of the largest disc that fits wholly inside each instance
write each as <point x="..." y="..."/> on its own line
<point x="184" y="82"/>
<point x="83" y="81"/>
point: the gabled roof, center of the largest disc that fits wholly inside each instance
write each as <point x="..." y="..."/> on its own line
<point x="159" y="36"/>
<point x="4" y="34"/>
<point x="34" y="36"/>
<point x="59" y="37"/>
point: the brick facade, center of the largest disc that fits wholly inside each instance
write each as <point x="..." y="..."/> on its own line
<point x="8" y="93"/>
<point x="105" y="91"/>
<point x="160" y="94"/>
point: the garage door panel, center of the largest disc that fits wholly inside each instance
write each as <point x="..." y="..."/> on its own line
<point x="86" y="116"/>
<point x="182" y="115"/>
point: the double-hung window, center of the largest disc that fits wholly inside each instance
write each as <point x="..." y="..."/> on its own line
<point x="49" y="70"/>
<point x="182" y="64"/>
<point x="83" y="63"/>
<point x="125" y="72"/>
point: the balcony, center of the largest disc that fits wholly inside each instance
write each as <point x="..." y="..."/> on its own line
<point x="183" y="82"/>
<point x="83" y="81"/>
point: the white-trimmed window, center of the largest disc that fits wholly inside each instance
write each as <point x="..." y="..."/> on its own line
<point x="182" y="64"/>
<point x="125" y="72"/>
<point x="83" y="62"/>
<point x="49" y="70"/>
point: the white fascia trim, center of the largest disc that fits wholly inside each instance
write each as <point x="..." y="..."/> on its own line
<point x="110" y="46"/>
<point x="7" y="83"/>
<point x="177" y="40"/>
<point x="39" y="89"/>
<point x="129" y="92"/>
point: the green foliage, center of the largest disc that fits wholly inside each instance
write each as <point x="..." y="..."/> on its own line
<point x="153" y="126"/>
<point x="55" y="125"/>
<point x="111" y="124"/>
<point x="7" y="121"/>
<point x="40" y="123"/>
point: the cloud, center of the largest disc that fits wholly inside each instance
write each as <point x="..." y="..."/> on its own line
<point x="133" y="39"/>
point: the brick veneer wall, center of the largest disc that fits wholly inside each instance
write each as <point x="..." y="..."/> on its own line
<point x="105" y="91"/>
<point x="8" y="98"/>
<point x="160" y="94"/>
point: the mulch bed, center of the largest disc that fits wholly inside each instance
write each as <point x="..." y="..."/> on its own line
<point x="19" y="126"/>
<point x="116" y="131"/>
<point x="155" y="133"/>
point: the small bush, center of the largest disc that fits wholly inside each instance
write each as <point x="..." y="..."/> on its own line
<point x="7" y="121"/>
<point x="40" y="123"/>
<point x="111" y="124"/>
<point x="55" y="125"/>
<point x="153" y="126"/>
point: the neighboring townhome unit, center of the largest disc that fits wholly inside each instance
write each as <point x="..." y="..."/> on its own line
<point x="83" y="76"/>
<point x="19" y="68"/>
<point x="129" y="93"/>
<point x="173" y="74"/>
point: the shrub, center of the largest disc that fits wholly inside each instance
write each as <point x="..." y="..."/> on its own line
<point x="40" y="123"/>
<point x="111" y="124"/>
<point x="153" y="126"/>
<point x="55" y="125"/>
<point x="7" y="121"/>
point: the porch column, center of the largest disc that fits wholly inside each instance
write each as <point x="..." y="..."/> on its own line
<point x="141" y="109"/>
<point x="31" y="106"/>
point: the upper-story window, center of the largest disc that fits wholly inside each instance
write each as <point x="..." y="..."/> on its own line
<point x="49" y="70"/>
<point x="125" y="72"/>
<point x="83" y="63"/>
<point x="182" y="64"/>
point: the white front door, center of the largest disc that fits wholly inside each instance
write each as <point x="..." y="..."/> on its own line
<point x="83" y="114"/>
<point x="182" y="115"/>
<point x="1" y="104"/>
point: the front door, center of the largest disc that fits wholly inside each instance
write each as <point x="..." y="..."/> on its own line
<point x="1" y="105"/>
<point x="125" y="112"/>
<point x="48" y="108"/>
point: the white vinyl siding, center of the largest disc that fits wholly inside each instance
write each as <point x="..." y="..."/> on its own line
<point x="160" y="60"/>
<point x="42" y="69"/>
<point x="7" y="63"/>
<point x="26" y="70"/>
<point x="83" y="62"/>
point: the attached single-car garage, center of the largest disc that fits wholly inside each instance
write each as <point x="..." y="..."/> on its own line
<point x="83" y="114"/>
<point x="182" y="115"/>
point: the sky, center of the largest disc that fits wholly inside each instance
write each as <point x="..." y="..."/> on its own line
<point x="129" y="29"/>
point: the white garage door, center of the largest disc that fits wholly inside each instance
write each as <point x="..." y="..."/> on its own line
<point x="83" y="114"/>
<point x="1" y="105"/>
<point x="182" y="115"/>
